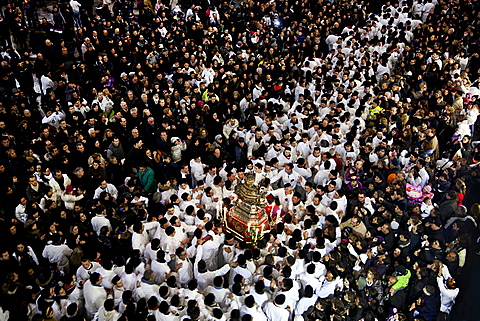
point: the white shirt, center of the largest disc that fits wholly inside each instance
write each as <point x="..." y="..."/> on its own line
<point x="58" y="254"/>
<point x="304" y="304"/>
<point x="94" y="296"/>
<point x="100" y="221"/>
<point x="328" y="287"/>
<point x="83" y="274"/>
<point x="160" y="270"/>
<point x="111" y="189"/>
<point x="276" y="313"/>
<point x="447" y="296"/>
<point x="75" y="6"/>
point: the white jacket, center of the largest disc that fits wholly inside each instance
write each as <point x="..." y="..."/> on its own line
<point x="94" y="296"/>
<point x="447" y="296"/>
<point x="69" y="200"/>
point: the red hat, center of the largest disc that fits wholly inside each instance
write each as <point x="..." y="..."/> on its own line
<point x="69" y="189"/>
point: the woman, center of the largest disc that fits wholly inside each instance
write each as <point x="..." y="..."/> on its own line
<point x="25" y="256"/>
<point x="414" y="177"/>
<point x="215" y="125"/>
<point x="31" y="157"/>
<point x="76" y="237"/>
<point x="96" y="174"/>
<point x="373" y="287"/>
<point x="107" y="138"/>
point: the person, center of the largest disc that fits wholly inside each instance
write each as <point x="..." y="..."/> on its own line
<point x="275" y="310"/>
<point x="448" y="292"/>
<point x="94" y="294"/>
<point x="106" y="187"/>
<point x="58" y="253"/>
<point x="147" y="178"/>
<point x="35" y="190"/>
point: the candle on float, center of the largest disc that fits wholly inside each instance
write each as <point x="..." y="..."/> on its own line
<point x="261" y="231"/>
<point x="249" y="226"/>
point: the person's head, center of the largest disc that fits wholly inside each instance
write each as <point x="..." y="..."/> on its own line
<point x="429" y="290"/>
<point x="280" y="299"/>
<point x="96" y="278"/>
<point x="86" y="263"/>
<point x="451" y="284"/>
<point x="33" y="180"/>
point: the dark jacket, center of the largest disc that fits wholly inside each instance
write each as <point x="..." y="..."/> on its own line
<point x="429" y="307"/>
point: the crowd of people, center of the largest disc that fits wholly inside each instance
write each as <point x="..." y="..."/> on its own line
<point x="125" y="128"/>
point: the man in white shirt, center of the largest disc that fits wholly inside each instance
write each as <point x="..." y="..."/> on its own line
<point x="331" y="282"/>
<point x="448" y="292"/>
<point x="100" y="221"/>
<point x="106" y="187"/>
<point x="252" y="309"/>
<point x="53" y="118"/>
<point x="94" y="294"/>
<point x="275" y="311"/>
<point x="58" y="253"/>
<point x="86" y="269"/>
<point x="288" y="175"/>
<point x="205" y="277"/>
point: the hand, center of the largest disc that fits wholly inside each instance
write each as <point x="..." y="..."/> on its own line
<point x="440" y="269"/>
<point x="233" y="264"/>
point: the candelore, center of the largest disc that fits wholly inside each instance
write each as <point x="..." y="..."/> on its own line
<point x="219" y="211"/>
<point x="279" y="213"/>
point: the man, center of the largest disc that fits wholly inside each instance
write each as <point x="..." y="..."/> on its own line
<point x="36" y="190"/>
<point x="94" y="294"/>
<point x="356" y="224"/>
<point x="100" y="220"/>
<point x="147" y="178"/>
<point x="288" y="175"/>
<point x="330" y="284"/>
<point x="79" y="180"/>
<point x="197" y="170"/>
<point x="274" y="310"/>
<point x="229" y="126"/>
<point x="427" y="305"/>
<point x="147" y="287"/>
<point x="86" y="269"/>
<point x="106" y="187"/>
<point x="115" y="149"/>
<point x="252" y="309"/>
<point x="448" y="206"/>
<point x="7" y="264"/>
<point x="448" y="292"/>
<point x="53" y="118"/>
<point x="58" y="253"/>
<point x="203" y="275"/>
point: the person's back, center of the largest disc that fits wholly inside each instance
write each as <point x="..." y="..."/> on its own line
<point x="275" y="311"/>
